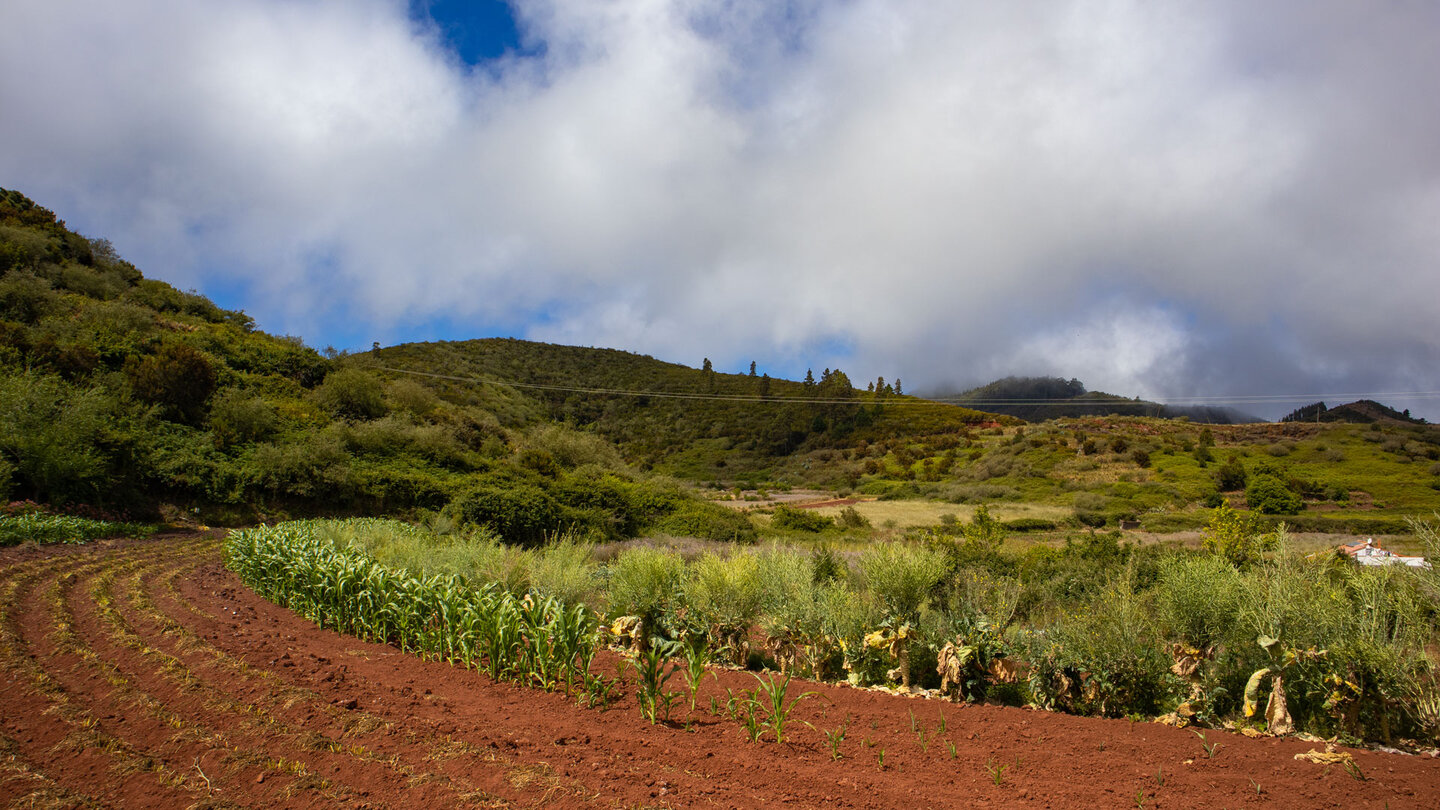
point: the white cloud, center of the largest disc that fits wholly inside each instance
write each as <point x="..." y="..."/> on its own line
<point x="950" y="190"/>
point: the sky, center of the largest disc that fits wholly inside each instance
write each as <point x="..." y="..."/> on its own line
<point x="1192" y="202"/>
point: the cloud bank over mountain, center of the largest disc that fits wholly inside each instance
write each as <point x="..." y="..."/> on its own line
<point x="1161" y="198"/>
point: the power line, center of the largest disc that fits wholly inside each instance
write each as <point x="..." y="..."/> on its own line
<point x="903" y="400"/>
<point x="662" y="394"/>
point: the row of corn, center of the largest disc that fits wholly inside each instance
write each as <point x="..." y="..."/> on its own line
<point x="539" y="642"/>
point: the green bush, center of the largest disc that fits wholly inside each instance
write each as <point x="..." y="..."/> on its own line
<point x="724" y="597"/>
<point x="707" y="521"/>
<point x="901" y="577"/>
<point x="1029" y="525"/>
<point x="1269" y="495"/>
<point x="1117" y="643"/>
<point x="648" y="582"/>
<point x="519" y="512"/>
<point x="789" y="518"/>
<point x="177" y="377"/>
<point x="1199" y="599"/>
<point x="236" y="418"/>
<point x="352" y="393"/>
<point x="1231" y="476"/>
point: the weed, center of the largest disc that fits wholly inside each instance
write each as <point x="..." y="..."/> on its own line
<point x="1140" y="797"/>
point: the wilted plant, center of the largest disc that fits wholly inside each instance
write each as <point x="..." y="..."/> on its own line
<point x="1277" y="709"/>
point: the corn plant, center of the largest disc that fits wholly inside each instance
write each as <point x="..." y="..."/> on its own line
<point x="697" y="657"/>
<point x="317" y="569"/>
<point x="996" y="770"/>
<point x="834" y="737"/>
<point x="775" y="702"/>
<point x="651" y="676"/>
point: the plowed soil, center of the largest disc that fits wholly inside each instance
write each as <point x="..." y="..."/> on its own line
<point x="143" y="674"/>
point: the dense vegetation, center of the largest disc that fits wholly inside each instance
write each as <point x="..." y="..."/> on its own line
<point x="1097" y="627"/>
<point x="123" y="392"/>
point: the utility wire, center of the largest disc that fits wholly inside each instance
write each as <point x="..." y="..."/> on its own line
<point x="907" y="400"/>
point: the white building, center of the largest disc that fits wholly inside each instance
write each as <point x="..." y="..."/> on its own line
<point x="1368" y="553"/>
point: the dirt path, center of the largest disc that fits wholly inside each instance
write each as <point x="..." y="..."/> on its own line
<point x="143" y="674"/>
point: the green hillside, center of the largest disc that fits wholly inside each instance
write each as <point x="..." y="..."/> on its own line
<point x="121" y="393"/>
<point x="702" y="425"/>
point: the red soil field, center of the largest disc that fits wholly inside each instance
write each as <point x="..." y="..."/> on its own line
<point x="143" y="674"/>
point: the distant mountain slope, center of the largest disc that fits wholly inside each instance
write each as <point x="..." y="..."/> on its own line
<point x="1361" y="412"/>
<point x="1037" y="399"/>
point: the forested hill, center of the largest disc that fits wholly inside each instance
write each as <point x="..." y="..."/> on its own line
<point x="676" y="417"/>
<point x="1037" y="399"/>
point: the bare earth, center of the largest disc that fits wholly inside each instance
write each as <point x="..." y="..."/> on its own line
<point x="143" y="674"/>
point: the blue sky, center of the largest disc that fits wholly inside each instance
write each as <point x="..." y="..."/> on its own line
<point x="476" y="30"/>
<point x="1174" y="200"/>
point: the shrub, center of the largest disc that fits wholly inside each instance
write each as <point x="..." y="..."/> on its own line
<point x="707" y="521"/>
<point x="520" y="512"/>
<point x="803" y="520"/>
<point x="901" y="577"/>
<point x="176" y="377"/>
<point x="1029" y="525"/>
<point x="1199" y="599"/>
<point x="647" y="582"/>
<point x="55" y="435"/>
<point x="565" y="569"/>
<point x="1234" y="536"/>
<point x="851" y="518"/>
<point x="1117" y="643"/>
<point x="1269" y="495"/>
<point x="351" y="393"/>
<point x="1231" y="475"/>
<point x="239" y="419"/>
<point x="571" y="448"/>
<point x="724" y="597"/>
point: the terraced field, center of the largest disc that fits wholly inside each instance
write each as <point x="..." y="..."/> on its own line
<point x="142" y="674"/>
